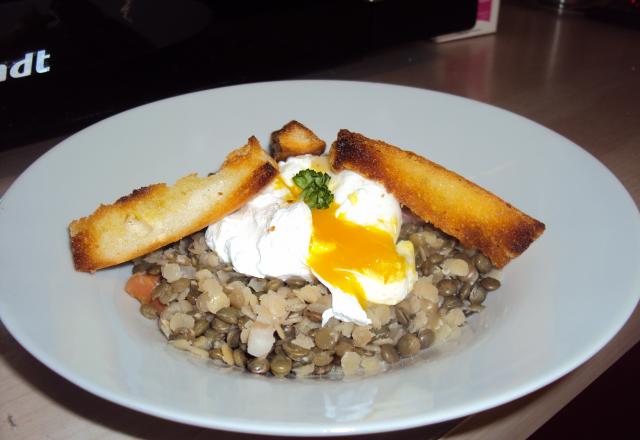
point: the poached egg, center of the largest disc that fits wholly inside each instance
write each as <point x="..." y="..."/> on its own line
<point x="350" y="247"/>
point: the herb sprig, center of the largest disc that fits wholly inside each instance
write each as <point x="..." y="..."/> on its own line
<point x="315" y="192"/>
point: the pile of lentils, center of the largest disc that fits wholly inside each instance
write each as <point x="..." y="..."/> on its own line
<point x="206" y="308"/>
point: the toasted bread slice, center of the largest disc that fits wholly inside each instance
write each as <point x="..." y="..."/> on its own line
<point x="294" y="139"/>
<point x="457" y="206"/>
<point x="156" y="215"/>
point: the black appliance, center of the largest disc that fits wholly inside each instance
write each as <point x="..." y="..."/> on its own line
<point x="625" y="12"/>
<point x="67" y="63"/>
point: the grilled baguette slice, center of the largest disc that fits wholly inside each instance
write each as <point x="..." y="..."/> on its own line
<point x="156" y="215"/>
<point x="441" y="197"/>
<point x="294" y="139"/>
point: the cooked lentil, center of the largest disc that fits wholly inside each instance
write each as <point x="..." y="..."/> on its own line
<point x="426" y="337"/>
<point x="258" y="366"/>
<point x="408" y="345"/>
<point x="210" y="309"/>
<point x="148" y="311"/>
<point x="490" y="284"/>
<point x="389" y="354"/>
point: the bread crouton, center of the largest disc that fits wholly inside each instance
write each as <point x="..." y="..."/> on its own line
<point x="156" y="215"/>
<point x="294" y="139"/>
<point x="460" y="208"/>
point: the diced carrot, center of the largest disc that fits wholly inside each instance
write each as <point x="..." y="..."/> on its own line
<point x="158" y="305"/>
<point x="140" y="286"/>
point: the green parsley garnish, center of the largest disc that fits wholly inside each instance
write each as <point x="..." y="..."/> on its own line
<point x="315" y="192"/>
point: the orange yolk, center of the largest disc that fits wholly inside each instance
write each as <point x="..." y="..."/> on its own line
<point x="340" y="248"/>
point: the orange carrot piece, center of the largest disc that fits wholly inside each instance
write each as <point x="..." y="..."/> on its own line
<point x="140" y="286"/>
<point x="158" y="305"/>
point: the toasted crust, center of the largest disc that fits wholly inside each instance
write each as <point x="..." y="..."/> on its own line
<point x="450" y="202"/>
<point x="294" y="139"/>
<point x="156" y="215"/>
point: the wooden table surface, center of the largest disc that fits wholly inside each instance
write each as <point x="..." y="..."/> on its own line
<point x="578" y="77"/>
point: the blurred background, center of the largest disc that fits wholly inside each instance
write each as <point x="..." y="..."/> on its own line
<point x="65" y="64"/>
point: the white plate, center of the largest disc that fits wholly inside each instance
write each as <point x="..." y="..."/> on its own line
<point x="560" y="303"/>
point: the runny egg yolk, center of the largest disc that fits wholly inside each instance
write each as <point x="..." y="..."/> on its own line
<point x="340" y="249"/>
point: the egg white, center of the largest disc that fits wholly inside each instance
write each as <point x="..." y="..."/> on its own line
<point x="270" y="235"/>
